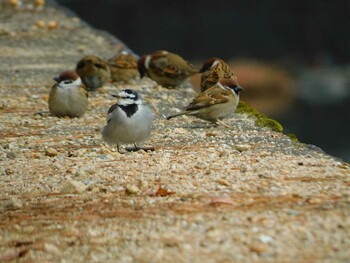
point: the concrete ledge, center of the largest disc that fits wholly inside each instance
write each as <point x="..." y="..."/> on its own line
<point x="206" y="194"/>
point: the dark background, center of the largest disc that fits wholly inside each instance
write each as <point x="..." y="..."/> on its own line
<point x="308" y="39"/>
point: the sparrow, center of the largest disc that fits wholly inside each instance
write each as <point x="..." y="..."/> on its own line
<point x="214" y="104"/>
<point x="68" y="96"/>
<point x="94" y="72"/>
<point x="129" y="121"/>
<point x="123" y="67"/>
<point x="214" y="69"/>
<point x="167" y="69"/>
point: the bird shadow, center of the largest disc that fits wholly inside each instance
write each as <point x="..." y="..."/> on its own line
<point x="135" y="149"/>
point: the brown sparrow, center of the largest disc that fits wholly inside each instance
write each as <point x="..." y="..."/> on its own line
<point x="167" y="69"/>
<point x="123" y="67"/>
<point x="68" y="96"/>
<point x="214" y="104"/>
<point x="93" y="71"/>
<point x="213" y="70"/>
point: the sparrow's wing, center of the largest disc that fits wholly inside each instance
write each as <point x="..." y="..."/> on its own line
<point x="182" y="65"/>
<point x="172" y="66"/>
<point x="124" y="61"/>
<point x="160" y="66"/>
<point x="82" y="90"/>
<point x="127" y="64"/>
<point x="52" y="92"/>
<point x="212" y="96"/>
<point x="171" y="71"/>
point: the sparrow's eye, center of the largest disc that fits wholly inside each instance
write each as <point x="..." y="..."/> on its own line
<point x="68" y="81"/>
<point x="98" y="65"/>
<point x="80" y="65"/>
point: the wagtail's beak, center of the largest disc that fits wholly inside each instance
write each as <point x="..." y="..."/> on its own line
<point x="115" y="96"/>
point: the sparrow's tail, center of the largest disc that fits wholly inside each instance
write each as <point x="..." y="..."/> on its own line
<point x="174" y="115"/>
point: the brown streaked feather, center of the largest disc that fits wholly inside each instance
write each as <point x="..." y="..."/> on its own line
<point x="52" y="93"/>
<point x="171" y="65"/>
<point x="83" y="90"/>
<point x="214" y="95"/>
<point x="211" y="76"/>
<point x="171" y="71"/>
<point x="123" y="61"/>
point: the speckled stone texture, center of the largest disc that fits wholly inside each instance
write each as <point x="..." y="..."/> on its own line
<point x="206" y="194"/>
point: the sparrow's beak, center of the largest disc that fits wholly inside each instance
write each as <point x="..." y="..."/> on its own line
<point x="237" y="89"/>
<point x="57" y="79"/>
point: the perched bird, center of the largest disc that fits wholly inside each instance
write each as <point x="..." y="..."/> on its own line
<point x="68" y="96"/>
<point x="214" y="104"/>
<point x="129" y="121"/>
<point x="93" y="71"/>
<point x="167" y="69"/>
<point x="213" y="70"/>
<point x="123" y="67"/>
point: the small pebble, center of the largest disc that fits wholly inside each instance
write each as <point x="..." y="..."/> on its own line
<point x="9" y="171"/>
<point x="13" y="203"/>
<point x="132" y="189"/>
<point x="223" y="182"/>
<point x="39" y="3"/>
<point x="210" y="134"/>
<point x="258" y="248"/>
<point x="52" y="249"/>
<point x="265" y="239"/>
<point x="264" y="154"/>
<point x="52" y="25"/>
<point x="293" y="212"/>
<point x="40" y="24"/>
<point x="11" y="155"/>
<point x="51" y="152"/>
<point x="314" y="200"/>
<point x="73" y="187"/>
<point x="13" y="2"/>
<point x="242" y="147"/>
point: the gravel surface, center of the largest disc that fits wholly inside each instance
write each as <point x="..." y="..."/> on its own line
<point x="206" y="194"/>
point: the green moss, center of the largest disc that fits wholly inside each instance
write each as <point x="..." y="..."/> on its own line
<point x="261" y="119"/>
<point x="293" y="137"/>
<point x="344" y="166"/>
<point x="243" y="107"/>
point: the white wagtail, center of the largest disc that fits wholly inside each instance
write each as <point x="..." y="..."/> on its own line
<point x="129" y="121"/>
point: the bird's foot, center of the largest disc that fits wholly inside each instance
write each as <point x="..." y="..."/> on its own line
<point x="42" y="113"/>
<point x="219" y="122"/>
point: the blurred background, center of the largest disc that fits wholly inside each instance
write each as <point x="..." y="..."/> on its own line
<point x="292" y="57"/>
